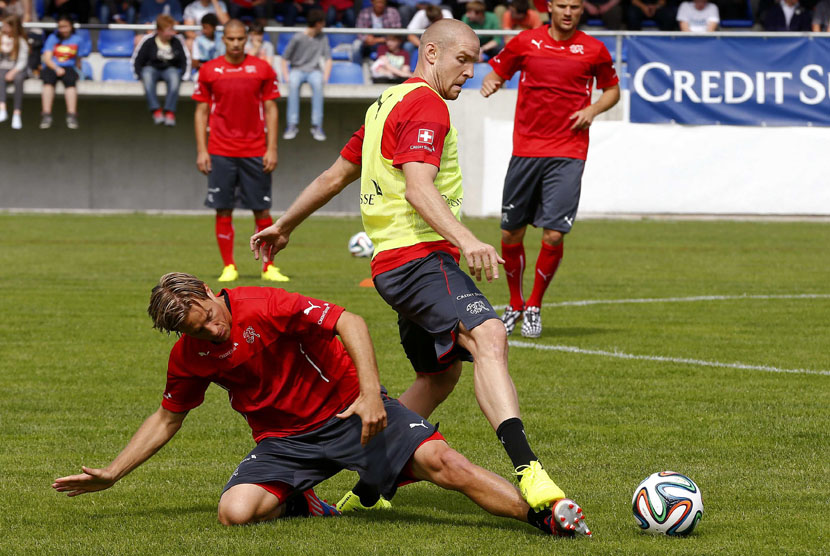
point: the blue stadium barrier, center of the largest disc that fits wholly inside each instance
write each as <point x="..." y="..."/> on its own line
<point x="346" y="73"/>
<point x="85" y="48"/>
<point x="282" y="42"/>
<point x="611" y="44"/>
<point x="116" y="43"/>
<point x="341" y="45"/>
<point x="118" y="70"/>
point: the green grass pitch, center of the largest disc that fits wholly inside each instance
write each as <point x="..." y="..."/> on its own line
<point x="80" y="368"/>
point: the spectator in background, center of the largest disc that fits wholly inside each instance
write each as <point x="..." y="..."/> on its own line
<point x="309" y="56"/>
<point x="478" y="18"/>
<point x="162" y="56"/>
<point x="117" y="11"/>
<point x="662" y="12"/>
<point x="14" y="56"/>
<point x="76" y="10"/>
<point x="196" y="10"/>
<point x="422" y="20"/>
<point x="60" y="61"/>
<point x="520" y="17"/>
<point x="151" y="9"/>
<point x="821" y="16"/>
<point x="208" y="45"/>
<point x="392" y="65"/>
<point x="698" y="16"/>
<point x="12" y="7"/>
<point x="787" y="15"/>
<point x="609" y="11"/>
<point x="257" y="46"/>
<point x="378" y="16"/>
<point x="248" y="9"/>
<point x="339" y="11"/>
<point x="291" y="9"/>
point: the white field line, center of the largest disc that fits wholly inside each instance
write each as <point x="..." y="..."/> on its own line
<point x="681" y="360"/>
<point x="585" y="302"/>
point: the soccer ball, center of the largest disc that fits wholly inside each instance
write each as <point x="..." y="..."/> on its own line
<point x="360" y="245"/>
<point x="668" y="503"/>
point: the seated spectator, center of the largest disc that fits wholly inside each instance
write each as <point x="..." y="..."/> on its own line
<point x="208" y="45"/>
<point x="478" y="18"/>
<point x="196" y="10"/>
<point x="377" y="16"/>
<point x="257" y="46"/>
<point x="520" y="17"/>
<point x="117" y="11"/>
<point x="787" y="15"/>
<point x="61" y="61"/>
<point x="392" y="65"/>
<point x="421" y="20"/>
<point x="162" y="56"/>
<point x="13" y="7"/>
<point x="292" y="9"/>
<point x="248" y="9"/>
<point x="76" y="10"/>
<point x="609" y="11"/>
<point x="662" y="12"/>
<point x="14" y="57"/>
<point x="309" y="57"/>
<point x="151" y="9"/>
<point x="408" y="8"/>
<point x="339" y="11"/>
<point x="698" y="16"/>
<point x="821" y="16"/>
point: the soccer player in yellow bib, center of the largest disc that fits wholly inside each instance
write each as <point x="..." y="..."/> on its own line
<point x="410" y="199"/>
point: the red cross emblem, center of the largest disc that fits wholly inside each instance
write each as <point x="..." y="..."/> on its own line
<point x="426" y="136"/>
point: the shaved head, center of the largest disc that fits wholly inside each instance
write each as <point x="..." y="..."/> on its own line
<point x="235" y="23"/>
<point x="448" y="52"/>
<point x="447" y="31"/>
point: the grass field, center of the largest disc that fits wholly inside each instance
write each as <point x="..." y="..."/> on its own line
<point x="691" y="378"/>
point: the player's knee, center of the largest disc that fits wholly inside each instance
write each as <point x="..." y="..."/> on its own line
<point x="234" y="511"/>
<point x="491" y="339"/>
<point x="442" y="384"/>
<point x="454" y="470"/>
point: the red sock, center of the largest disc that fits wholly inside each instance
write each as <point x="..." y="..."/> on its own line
<point x="514" y="268"/>
<point x="224" y="237"/>
<point x="261" y="224"/>
<point x="546" y="265"/>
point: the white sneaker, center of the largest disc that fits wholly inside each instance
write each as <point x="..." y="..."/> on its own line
<point x="510" y="317"/>
<point x="532" y="322"/>
<point x="317" y="133"/>
<point x="3" y="115"/>
<point x="290" y="132"/>
<point x="17" y="122"/>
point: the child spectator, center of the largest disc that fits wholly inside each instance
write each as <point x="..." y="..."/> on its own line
<point x="14" y="54"/>
<point x="60" y="61"/>
<point x="392" y="65"/>
<point x="162" y="56"/>
<point x="257" y="46"/>
<point x="698" y="16"/>
<point x="421" y="20"/>
<point x="196" y="10"/>
<point x="151" y="9"/>
<point x="478" y="18"/>
<point x="377" y="16"/>
<point x="309" y="55"/>
<point x="520" y="17"/>
<point x="208" y="45"/>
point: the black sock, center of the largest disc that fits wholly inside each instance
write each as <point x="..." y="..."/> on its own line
<point x="296" y="506"/>
<point x="368" y="494"/>
<point x="511" y="433"/>
<point x="537" y="519"/>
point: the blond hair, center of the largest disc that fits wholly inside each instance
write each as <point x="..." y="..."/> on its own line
<point x="164" y="21"/>
<point x="172" y="298"/>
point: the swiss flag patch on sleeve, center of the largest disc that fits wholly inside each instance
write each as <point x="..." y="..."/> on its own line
<point x="426" y="136"/>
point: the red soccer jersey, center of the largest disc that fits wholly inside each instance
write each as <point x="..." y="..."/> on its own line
<point x="353" y="150"/>
<point x="236" y="95"/>
<point x="283" y="368"/>
<point x="557" y="80"/>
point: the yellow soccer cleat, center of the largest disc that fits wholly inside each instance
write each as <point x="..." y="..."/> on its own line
<point x="351" y="503"/>
<point x="273" y="274"/>
<point x="229" y="274"/>
<point x="537" y="487"/>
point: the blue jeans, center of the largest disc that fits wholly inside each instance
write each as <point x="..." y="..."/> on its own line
<point x="295" y="79"/>
<point x="150" y="76"/>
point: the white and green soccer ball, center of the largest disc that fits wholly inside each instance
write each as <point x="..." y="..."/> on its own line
<point x="360" y="245"/>
<point x="667" y="503"/>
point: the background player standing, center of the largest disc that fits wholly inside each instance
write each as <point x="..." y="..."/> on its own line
<point x="236" y="93"/>
<point x="550" y="142"/>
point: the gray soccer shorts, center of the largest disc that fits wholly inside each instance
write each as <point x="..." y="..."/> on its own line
<point x="541" y="191"/>
<point x="238" y="182"/>
<point x="432" y="295"/>
<point x="305" y="460"/>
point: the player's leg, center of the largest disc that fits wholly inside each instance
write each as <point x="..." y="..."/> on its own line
<point x="221" y="197"/>
<point x="518" y="200"/>
<point x="559" y="201"/>
<point x="249" y="503"/>
<point x="255" y="193"/>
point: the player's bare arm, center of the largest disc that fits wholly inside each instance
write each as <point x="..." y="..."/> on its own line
<point x="492" y="82"/>
<point x="274" y="238"/>
<point x="200" y="122"/>
<point x="154" y="433"/>
<point x="422" y="194"/>
<point x="583" y="119"/>
<point x="368" y="406"/>
<point x="272" y="120"/>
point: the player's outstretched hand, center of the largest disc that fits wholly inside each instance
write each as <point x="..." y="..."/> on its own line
<point x="371" y="413"/>
<point x="268" y="242"/>
<point x="481" y="256"/>
<point x="91" y="480"/>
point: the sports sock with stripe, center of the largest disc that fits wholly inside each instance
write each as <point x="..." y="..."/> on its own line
<point x="546" y="265"/>
<point x="224" y="238"/>
<point x="514" y="268"/>
<point x="511" y="433"/>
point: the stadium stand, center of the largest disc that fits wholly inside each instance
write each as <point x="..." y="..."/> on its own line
<point x="346" y="73"/>
<point x="116" y="43"/>
<point x="341" y="45"/>
<point x="744" y="23"/>
<point x="282" y="42"/>
<point x="86" y="70"/>
<point x="118" y="70"/>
